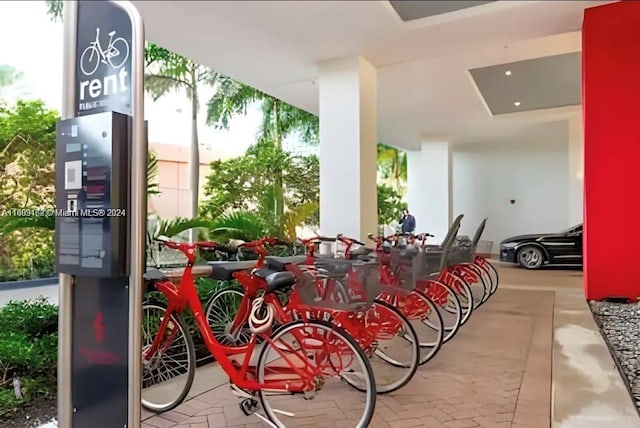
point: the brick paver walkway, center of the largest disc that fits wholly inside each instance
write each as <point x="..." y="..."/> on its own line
<point x="496" y="372"/>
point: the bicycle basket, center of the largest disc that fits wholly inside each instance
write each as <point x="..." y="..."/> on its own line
<point x="462" y="251"/>
<point x="336" y="284"/>
<point x="410" y="265"/>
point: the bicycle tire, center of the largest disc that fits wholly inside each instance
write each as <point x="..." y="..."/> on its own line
<point x="494" y="282"/>
<point x="434" y="348"/>
<point x="191" y="358"/>
<point x="367" y="416"/>
<point x="486" y="272"/>
<point x="479" y="274"/>
<point x="239" y="292"/>
<point x="450" y="328"/>
<point x="465" y="296"/>
<point x="93" y="69"/>
<point x="415" y="356"/>
<point x="117" y="65"/>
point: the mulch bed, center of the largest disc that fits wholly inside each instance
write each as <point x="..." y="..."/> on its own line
<point x="38" y="413"/>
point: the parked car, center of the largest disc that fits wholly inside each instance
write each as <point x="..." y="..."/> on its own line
<point x="533" y="251"/>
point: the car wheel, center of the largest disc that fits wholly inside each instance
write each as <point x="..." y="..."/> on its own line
<point x="530" y="257"/>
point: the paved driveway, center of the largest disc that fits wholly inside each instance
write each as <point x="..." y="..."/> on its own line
<point x="495" y="373"/>
<point x="48" y="291"/>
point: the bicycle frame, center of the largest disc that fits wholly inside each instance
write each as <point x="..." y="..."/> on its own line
<point x="185" y="295"/>
<point x="362" y="326"/>
<point x="98" y="45"/>
<point x="411" y="307"/>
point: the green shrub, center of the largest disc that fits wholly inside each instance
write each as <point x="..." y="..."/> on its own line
<point x="27" y="255"/>
<point x="35" y="318"/>
<point x="8" y="401"/>
<point x="28" y="350"/>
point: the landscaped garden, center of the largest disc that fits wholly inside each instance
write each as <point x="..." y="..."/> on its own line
<point x="265" y="191"/>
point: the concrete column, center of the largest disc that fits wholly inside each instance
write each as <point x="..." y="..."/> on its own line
<point x="576" y="170"/>
<point x="429" y="188"/>
<point x="348" y="140"/>
<point x="610" y="90"/>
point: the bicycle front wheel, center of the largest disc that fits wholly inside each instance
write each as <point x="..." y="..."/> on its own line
<point x="334" y="356"/>
<point x="168" y="371"/>
<point x="392" y="345"/>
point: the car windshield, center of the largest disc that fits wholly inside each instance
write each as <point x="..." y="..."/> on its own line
<point x="575" y="228"/>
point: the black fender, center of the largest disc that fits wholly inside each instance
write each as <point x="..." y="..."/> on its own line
<point x="545" y="253"/>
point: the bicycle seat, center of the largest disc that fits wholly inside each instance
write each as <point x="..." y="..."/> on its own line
<point x="280" y="263"/>
<point x="153" y="275"/>
<point x="223" y="271"/>
<point x="360" y="252"/>
<point x="278" y="280"/>
<point x="264" y="273"/>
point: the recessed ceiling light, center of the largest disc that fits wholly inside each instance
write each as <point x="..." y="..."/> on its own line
<point x="517" y="103"/>
<point x="507" y="73"/>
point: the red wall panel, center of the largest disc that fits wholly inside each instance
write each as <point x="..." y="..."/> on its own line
<point x="611" y="108"/>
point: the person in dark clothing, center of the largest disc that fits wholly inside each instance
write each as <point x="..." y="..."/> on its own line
<point x="407" y="222"/>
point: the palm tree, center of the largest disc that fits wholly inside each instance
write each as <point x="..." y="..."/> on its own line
<point x="392" y="164"/>
<point x="279" y="120"/>
<point x="173" y="72"/>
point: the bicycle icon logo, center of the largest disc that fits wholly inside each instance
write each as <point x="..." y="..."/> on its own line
<point x="116" y="54"/>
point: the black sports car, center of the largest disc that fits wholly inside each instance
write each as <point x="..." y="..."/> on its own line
<point x="533" y="251"/>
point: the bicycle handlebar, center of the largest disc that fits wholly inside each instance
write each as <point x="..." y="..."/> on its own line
<point x="348" y="241"/>
<point x="226" y="249"/>
<point x="425" y="235"/>
<point x="314" y="240"/>
<point x="182" y="246"/>
<point x="259" y="244"/>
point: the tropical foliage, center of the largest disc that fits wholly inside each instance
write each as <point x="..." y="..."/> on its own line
<point x="392" y="165"/>
<point x="27" y="177"/>
<point x="242" y="192"/>
<point x="390" y="205"/>
<point x="266" y="190"/>
<point x="280" y="120"/>
<point x="27" y="152"/>
<point x="166" y="72"/>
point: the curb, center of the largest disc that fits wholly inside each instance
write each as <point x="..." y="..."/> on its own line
<point x="29" y="283"/>
<point x="615" y="359"/>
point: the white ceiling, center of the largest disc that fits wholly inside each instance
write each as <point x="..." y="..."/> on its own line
<point x="425" y="89"/>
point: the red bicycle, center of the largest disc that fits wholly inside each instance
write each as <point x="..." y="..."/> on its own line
<point x="382" y="332"/>
<point x="455" y="267"/>
<point x="298" y="359"/>
<point x="444" y="288"/>
<point x="418" y="309"/>
<point x="466" y="263"/>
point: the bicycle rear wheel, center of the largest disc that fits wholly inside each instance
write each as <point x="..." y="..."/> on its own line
<point x="221" y="311"/>
<point x="167" y="374"/>
<point x="333" y="355"/>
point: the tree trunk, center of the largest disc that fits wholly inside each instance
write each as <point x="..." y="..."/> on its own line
<point x="279" y="185"/>
<point x="194" y="167"/>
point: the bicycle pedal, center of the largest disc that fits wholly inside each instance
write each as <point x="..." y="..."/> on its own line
<point x="249" y="406"/>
